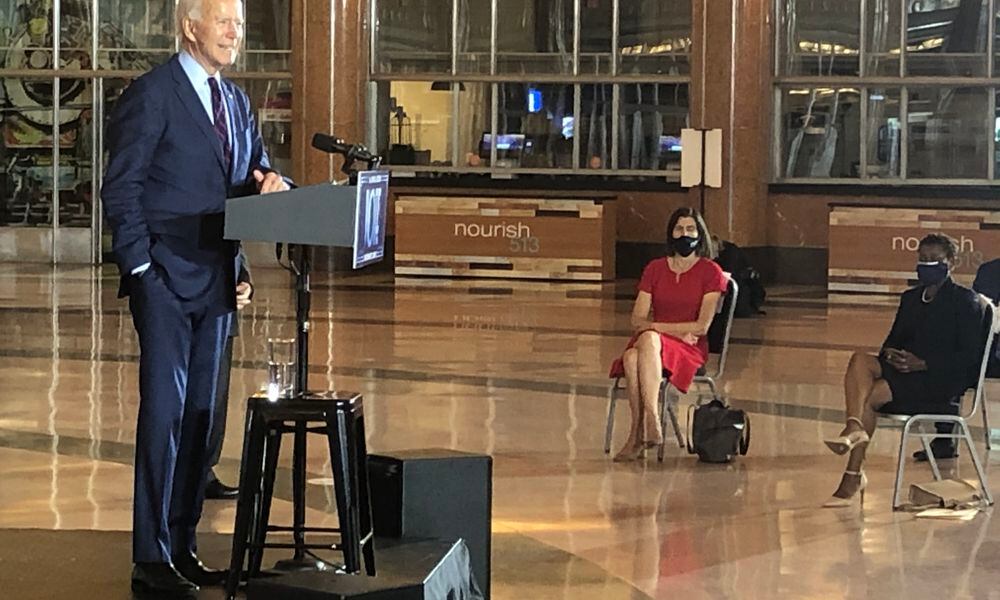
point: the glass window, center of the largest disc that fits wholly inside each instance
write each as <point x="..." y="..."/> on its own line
<point x="595" y="126"/>
<point x="884" y="134"/>
<point x="535" y="126"/>
<point x="135" y="34"/>
<point x="948" y="133"/>
<point x="535" y="37"/>
<point x="654" y="37"/>
<point x="883" y="37"/>
<point x="820" y="129"/>
<point x="417" y="127"/>
<point x="267" y="46"/>
<point x="27" y="174"/>
<point x="413" y="36"/>
<point x="76" y="38"/>
<point x="474" y="36"/>
<point x="651" y="117"/>
<point x="474" y="124"/>
<point x="820" y="37"/>
<point x="76" y="139"/>
<point x="946" y="38"/>
<point x="595" y="36"/>
<point x="996" y="137"/>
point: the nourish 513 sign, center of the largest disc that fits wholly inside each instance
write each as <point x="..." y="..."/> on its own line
<point x="874" y="249"/>
<point x="505" y="237"/>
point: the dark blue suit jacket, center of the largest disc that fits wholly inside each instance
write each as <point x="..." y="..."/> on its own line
<point x="988" y="284"/>
<point x="166" y="184"/>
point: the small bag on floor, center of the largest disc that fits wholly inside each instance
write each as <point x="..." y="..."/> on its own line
<point x="947" y="493"/>
<point x="717" y="433"/>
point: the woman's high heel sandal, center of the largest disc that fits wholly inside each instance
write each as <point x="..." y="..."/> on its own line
<point x="846" y="443"/>
<point x="838" y="502"/>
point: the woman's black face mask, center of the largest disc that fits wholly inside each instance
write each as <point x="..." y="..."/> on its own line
<point x="932" y="273"/>
<point x="684" y="245"/>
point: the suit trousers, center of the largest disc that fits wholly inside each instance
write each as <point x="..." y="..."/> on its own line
<point x="218" y="434"/>
<point x="180" y="350"/>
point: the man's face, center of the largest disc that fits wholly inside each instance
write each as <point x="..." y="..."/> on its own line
<point x="217" y="36"/>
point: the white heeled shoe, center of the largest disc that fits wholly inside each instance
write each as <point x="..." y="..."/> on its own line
<point x="846" y="443"/>
<point x="838" y="502"/>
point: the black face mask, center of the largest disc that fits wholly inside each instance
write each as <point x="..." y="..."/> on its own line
<point x="684" y="245"/>
<point x="932" y="273"/>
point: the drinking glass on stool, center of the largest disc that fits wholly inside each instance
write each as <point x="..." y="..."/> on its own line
<point x="280" y="368"/>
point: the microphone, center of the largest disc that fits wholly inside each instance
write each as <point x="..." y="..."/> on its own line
<point x="330" y="144"/>
<point x="335" y="145"/>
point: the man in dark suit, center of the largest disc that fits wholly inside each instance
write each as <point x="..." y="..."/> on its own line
<point x="182" y="140"/>
<point x="987" y="283"/>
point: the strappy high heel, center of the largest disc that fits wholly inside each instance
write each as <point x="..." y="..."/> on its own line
<point x="846" y="443"/>
<point x="838" y="502"/>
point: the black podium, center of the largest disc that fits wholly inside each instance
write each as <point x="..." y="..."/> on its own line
<point x="320" y="215"/>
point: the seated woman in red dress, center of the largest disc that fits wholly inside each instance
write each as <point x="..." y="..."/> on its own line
<point x="683" y="290"/>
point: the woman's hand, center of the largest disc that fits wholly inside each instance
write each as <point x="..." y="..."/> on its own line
<point x="690" y="338"/>
<point x="906" y="362"/>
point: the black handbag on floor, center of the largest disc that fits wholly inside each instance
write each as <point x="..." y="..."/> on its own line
<point x="717" y="433"/>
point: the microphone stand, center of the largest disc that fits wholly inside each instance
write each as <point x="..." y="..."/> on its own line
<point x="300" y="263"/>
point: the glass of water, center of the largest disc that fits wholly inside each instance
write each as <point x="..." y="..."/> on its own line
<point x="280" y="368"/>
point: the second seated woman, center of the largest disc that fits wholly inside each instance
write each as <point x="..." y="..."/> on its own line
<point x="683" y="290"/>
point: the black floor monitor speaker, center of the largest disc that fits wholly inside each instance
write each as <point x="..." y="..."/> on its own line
<point x="440" y="494"/>
<point x="407" y="570"/>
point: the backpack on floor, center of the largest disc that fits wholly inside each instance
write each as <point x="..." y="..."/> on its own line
<point x="717" y="433"/>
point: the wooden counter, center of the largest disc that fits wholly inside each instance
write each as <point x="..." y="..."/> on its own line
<point x="505" y="237"/>
<point x="874" y="249"/>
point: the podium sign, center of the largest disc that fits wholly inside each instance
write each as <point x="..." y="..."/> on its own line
<point x="369" y="217"/>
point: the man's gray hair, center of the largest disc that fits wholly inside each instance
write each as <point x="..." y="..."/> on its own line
<point x="191" y="9"/>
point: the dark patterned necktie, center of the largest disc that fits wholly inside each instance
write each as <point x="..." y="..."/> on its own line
<point x="221" y="127"/>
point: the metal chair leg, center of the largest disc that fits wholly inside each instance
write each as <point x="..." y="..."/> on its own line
<point x="984" y="486"/>
<point x="610" y="427"/>
<point x="986" y="422"/>
<point x="900" y="466"/>
<point x="672" y="411"/>
<point x="664" y="404"/>
<point x="711" y="386"/>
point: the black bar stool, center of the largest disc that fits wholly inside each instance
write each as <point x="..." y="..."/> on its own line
<point x="342" y="417"/>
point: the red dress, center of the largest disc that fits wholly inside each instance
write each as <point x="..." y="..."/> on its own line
<point x="677" y="299"/>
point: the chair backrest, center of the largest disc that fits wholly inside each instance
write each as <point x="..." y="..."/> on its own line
<point x="723" y="320"/>
<point x="992" y="320"/>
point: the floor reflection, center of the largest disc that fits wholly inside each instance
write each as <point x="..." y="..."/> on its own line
<point x="514" y="370"/>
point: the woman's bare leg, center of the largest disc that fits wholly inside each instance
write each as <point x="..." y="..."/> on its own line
<point x="863" y="373"/>
<point x="630" y="360"/>
<point x="864" y="376"/>
<point x="650" y="377"/>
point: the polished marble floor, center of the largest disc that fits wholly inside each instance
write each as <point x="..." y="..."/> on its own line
<point x="514" y="370"/>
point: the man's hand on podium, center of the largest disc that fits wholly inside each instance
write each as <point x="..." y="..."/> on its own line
<point x="243" y="292"/>
<point x="269" y="182"/>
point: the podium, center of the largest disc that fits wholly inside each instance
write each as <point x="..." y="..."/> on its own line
<point x="319" y="215"/>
